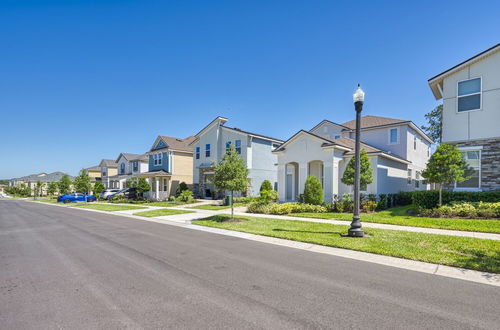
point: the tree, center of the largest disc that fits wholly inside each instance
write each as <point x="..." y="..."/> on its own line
<point x="365" y="171"/>
<point x="52" y="188"/>
<point x="82" y="183"/>
<point x="98" y="188"/>
<point x="180" y="188"/>
<point x="64" y="184"/>
<point x="313" y="192"/>
<point x="435" y="123"/>
<point x="38" y="189"/>
<point x="231" y="174"/>
<point x="142" y="186"/>
<point x="446" y="166"/>
<point x="132" y="182"/>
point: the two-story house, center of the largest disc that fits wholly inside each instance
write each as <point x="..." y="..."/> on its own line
<point x="211" y="143"/>
<point x="128" y="166"/>
<point x="94" y="173"/>
<point x="109" y="169"/>
<point x="471" y="116"/>
<point x="170" y="162"/>
<point x="398" y="151"/>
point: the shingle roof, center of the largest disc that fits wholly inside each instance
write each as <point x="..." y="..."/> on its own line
<point x="94" y="168"/>
<point x="129" y="156"/>
<point x="347" y="143"/>
<point x="108" y="163"/>
<point x="374" y="121"/>
<point x="177" y="143"/>
<point x="44" y="177"/>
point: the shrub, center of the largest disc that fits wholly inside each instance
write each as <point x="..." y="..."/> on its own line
<point x="266" y="186"/>
<point x="464" y="210"/>
<point x="382" y="202"/>
<point x="259" y="207"/>
<point x="185" y="196"/>
<point x="180" y="188"/>
<point x="346" y="203"/>
<point x="268" y="196"/>
<point x="428" y="199"/>
<point x="368" y="206"/>
<point x="313" y="192"/>
<point x="245" y="200"/>
<point x="403" y="198"/>
<point x="285" y="208"/>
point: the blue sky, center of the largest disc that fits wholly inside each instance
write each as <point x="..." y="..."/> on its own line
<point x="86" y="80"/>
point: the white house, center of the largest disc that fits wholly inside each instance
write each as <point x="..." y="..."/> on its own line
<point x="127" y="166"/>
<point x="471" y="115"/>
<point x="398" y="151"/>
<point x="211" y="143"/>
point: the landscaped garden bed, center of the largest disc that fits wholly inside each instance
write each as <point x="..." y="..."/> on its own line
<point x="471" y="253"/>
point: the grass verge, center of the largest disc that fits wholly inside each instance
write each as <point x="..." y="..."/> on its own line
<point x="161" y="212"/>
<point x="214" y="207"/>
<point x="51" y="201"/>
<point x="471" y="253"/>
<point x="109" y="208"/>
<point x="399" y="216"/>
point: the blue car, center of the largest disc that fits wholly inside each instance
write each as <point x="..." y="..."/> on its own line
<point x="76" y="197"/>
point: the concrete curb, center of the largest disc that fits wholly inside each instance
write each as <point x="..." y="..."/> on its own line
<point x="419" y="266"/>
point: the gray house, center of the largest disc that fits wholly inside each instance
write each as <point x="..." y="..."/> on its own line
<point x="211" y="143"/>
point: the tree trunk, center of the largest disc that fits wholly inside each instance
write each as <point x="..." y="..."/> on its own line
<point x="440" y="194"/>
<point x="232" y="207"/>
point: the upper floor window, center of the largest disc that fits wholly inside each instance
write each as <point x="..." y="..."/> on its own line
<point x="157" y="159"/>
<point x="414" y="143"/>
<point x="122" y="168"/>
<point x="237" y="145"/>
<point x="228" y="146"/>
<point x="207" y="150"/>
<point x="197" y="153"/>
<point x="473" y="160"/>
<point x="337" y="137"/>
<point x="104" y="171"/>
<point x="135" y="166"/>
<point x="393" y="135"/>
<point x="469" y="95"/>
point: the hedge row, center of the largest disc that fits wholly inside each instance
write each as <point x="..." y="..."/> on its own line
<point x="428" y="199"/>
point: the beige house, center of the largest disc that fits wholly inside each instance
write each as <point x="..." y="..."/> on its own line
<point x="109" y="168"/>
<point x="170" y="163"/>
<point x="94" y="173"/>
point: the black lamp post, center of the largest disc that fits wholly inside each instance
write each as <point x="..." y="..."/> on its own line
<point x="356" y="230"/>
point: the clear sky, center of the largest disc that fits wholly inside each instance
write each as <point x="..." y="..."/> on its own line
<point x="86" y="80"/>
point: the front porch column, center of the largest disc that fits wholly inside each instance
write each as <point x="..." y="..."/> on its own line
<point x="302" y="178"/>
<point x="157" y="187"/>
<point x="281" y="182"/>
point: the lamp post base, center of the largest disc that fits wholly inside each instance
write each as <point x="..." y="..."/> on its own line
<point x="355" y="232"/>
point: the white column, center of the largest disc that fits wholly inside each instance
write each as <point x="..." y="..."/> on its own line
<point x="157" y="184"/>
<point x="302" y="178"/>
<point x="282" y="182"/>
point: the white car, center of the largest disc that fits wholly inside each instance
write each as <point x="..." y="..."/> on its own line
<point x="108" y="193"/>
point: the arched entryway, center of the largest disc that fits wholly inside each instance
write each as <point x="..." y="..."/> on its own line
<point x="316" y="168"/>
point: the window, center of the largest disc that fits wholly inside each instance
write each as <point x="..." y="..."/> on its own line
<point x="417" y="179"/>
<point x="237" y="145"/>
<point x="337" y="137"/>
<point x="469" y="95"/>
<point x="409" y="176"/>
<point x="228" y="146"/>
<point x="207" y="150"/>
<point x="135" y="166"/>
<point x="414" y="143"/>
<point x="165" y="185"/>
<point x="473" y="160"/>
<point x="393" y="136"/>
<point x="197" y="153"/>
<point x="122" y="168"/>
<point x="157" y="159"/>
<point x="104" y="171"/>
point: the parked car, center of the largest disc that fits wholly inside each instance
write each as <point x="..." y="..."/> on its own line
<point x="129" y="193"/>
<point x="108" y="193"/>
<point x="76" y="197"/>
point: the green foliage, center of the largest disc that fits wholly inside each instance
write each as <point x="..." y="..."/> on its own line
<point x="52" y="188"/>
<point x="98" y="188"/>
<point x="19" y="190"/>
<point x="143" y="186"/>
<point x="365" y="171"/>
<point x="266" y="186"/>
<point x="429" y="199"/>
<point x="132" y="182"/>
<point x="382" y="203"/>
<point x="64" y="184"/>
<point x="268" y="196"/>
<point x="368" y="206"/>
<point x="435" y="123"/>
<point x="185" y="196"/>
<point x="231" y="174"/>
<point x="4" y="181"/>
<point x="313" y="192"/>
<point x="38" y="188"/>
<point x="465" y="210"/>
<point x="82" y="183"/>
<point x="180" y="188"/>
<point x="285" y="208"/>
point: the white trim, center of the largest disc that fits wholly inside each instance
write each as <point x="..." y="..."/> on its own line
<point x="455" y="188"/>
<point x="471" y="94"/>
<point x="471" y="148"/>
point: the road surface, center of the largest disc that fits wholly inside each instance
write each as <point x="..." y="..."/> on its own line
<point x="74" y="269"/>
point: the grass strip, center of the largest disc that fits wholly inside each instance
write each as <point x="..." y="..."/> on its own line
<point x="398" y="216"/>
<point x="108" y="207"/>
<point x="214" y="207"/>
<point x="465" y="252"/>
<point x="51" y="201"/>
<point x="161" y="212"/>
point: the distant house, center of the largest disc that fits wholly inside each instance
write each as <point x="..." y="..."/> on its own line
<point x="211" y="143"/>
<point x="94" y="173"/>
<point x="32" y="179"/>
<point x="109" y="169"/>
<point x="127" y="166"/>
<point x="398" y="151"/>
<point x="471" y="115"/>
<point x="170" y="162"/>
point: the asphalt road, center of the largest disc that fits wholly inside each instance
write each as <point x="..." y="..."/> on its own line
<point x="74" y="269"/>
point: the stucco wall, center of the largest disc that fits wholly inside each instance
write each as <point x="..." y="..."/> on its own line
<point x="471" y="125"/>
<point x="329" y="130"/>
<point x="263" y="165"/>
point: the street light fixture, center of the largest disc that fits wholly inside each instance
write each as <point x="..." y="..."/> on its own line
<point x="356" y="230"/>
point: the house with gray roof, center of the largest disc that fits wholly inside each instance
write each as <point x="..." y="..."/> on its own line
<point x="398" y="151"/>
<point x="32" y="179"/>
<point x="127" y="166"/>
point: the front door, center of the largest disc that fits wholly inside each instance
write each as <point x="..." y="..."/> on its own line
<point x="289" y="187"/>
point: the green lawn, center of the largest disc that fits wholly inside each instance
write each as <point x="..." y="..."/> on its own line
<point x="214" y="207"/>
<point x="51" y="201"/>
<point x="161" y="212"/>
<point x="398" y="216"/>
<point x="147" y="203"/>
<point x="471" y="253"/>
<point x="109" y="207"/>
